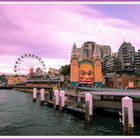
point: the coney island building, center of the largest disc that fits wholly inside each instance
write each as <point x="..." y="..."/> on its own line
<point x="86" y="68"/>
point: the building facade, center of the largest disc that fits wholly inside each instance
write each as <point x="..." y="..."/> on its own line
<point x="86" y="51"/>
<point x="105" y="50"/>
<point x="101" y="65"/>
<point x="126" y="55"/>
<point x="86" y="66"/>
<point x="119" y="68"/>
<point x="124" y="81"/>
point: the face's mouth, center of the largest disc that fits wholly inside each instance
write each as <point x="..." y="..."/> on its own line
<point x="86" y="80"/>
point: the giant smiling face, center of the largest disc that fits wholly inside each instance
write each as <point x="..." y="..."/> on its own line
<point x="86" y="73"/>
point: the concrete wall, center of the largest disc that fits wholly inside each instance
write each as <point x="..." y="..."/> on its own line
<point x="114" y="105"/>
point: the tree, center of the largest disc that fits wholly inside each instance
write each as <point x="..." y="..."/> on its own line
<point x="2" y="78"/>
<point x="65" y="70"/>
<point x="137" y="73"/>
<point x="137" y="76"/>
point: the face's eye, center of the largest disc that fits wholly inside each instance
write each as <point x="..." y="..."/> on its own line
<point x="82" y="72"/>
<point x="90" y="72"/>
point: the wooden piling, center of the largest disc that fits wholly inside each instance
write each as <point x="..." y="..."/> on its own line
<point x="127" y="115"/>
<point x="34" y="94"/>
<point x="56" y="99"/>
<point x="125" y="128"/>
<point x="42" y="97"/>
<point x="87" y="116"/>
<point x="62" y="100"/>
<point x="88" y="107"/>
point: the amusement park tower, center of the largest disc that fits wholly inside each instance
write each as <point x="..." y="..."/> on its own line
<point x="86" y="65"/>
<point x="97" y="67"/>
<point x="74" y="65"/>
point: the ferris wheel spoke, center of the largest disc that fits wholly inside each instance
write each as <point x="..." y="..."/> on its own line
<point x="25" y="62"/>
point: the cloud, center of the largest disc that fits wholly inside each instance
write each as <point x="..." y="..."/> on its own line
<point x="7" y="64"/>
<point x="50" y="31"/>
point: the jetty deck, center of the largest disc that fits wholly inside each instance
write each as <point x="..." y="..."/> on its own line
<point x="107" y="98"/>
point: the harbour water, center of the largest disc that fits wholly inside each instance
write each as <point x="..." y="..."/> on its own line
<point x="20" y="116"/>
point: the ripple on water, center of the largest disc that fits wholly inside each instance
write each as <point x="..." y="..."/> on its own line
<point x="19" y="116"/>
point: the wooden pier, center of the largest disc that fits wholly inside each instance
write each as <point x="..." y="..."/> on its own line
<point x="84" y="104"/>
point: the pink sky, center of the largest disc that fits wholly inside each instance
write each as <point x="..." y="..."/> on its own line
<point x="50" y="31"/>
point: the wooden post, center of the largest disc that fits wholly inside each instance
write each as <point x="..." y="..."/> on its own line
<point x="79" y="99"/>
<point x="88" y="107"/>
<point x="125" y="128"/>
<point x="62" y="100"/>
<point x="34" y="94"/>
<point x="42" y="96"/>
<point x="87" y="116"/>
<point x="127" y="115"/>
<point x="56" y="99"/>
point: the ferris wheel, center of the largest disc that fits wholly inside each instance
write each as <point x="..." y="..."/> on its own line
<point x="27" y="62"/>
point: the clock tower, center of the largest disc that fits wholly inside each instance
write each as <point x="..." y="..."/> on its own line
<point x="97" y="67"/>
<point x="74" y="65"/>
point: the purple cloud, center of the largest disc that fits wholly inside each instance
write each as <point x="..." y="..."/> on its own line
<point x="49" y="31"/>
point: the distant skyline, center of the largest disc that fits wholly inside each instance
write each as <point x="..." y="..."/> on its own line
<point x="50" y="30"/>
